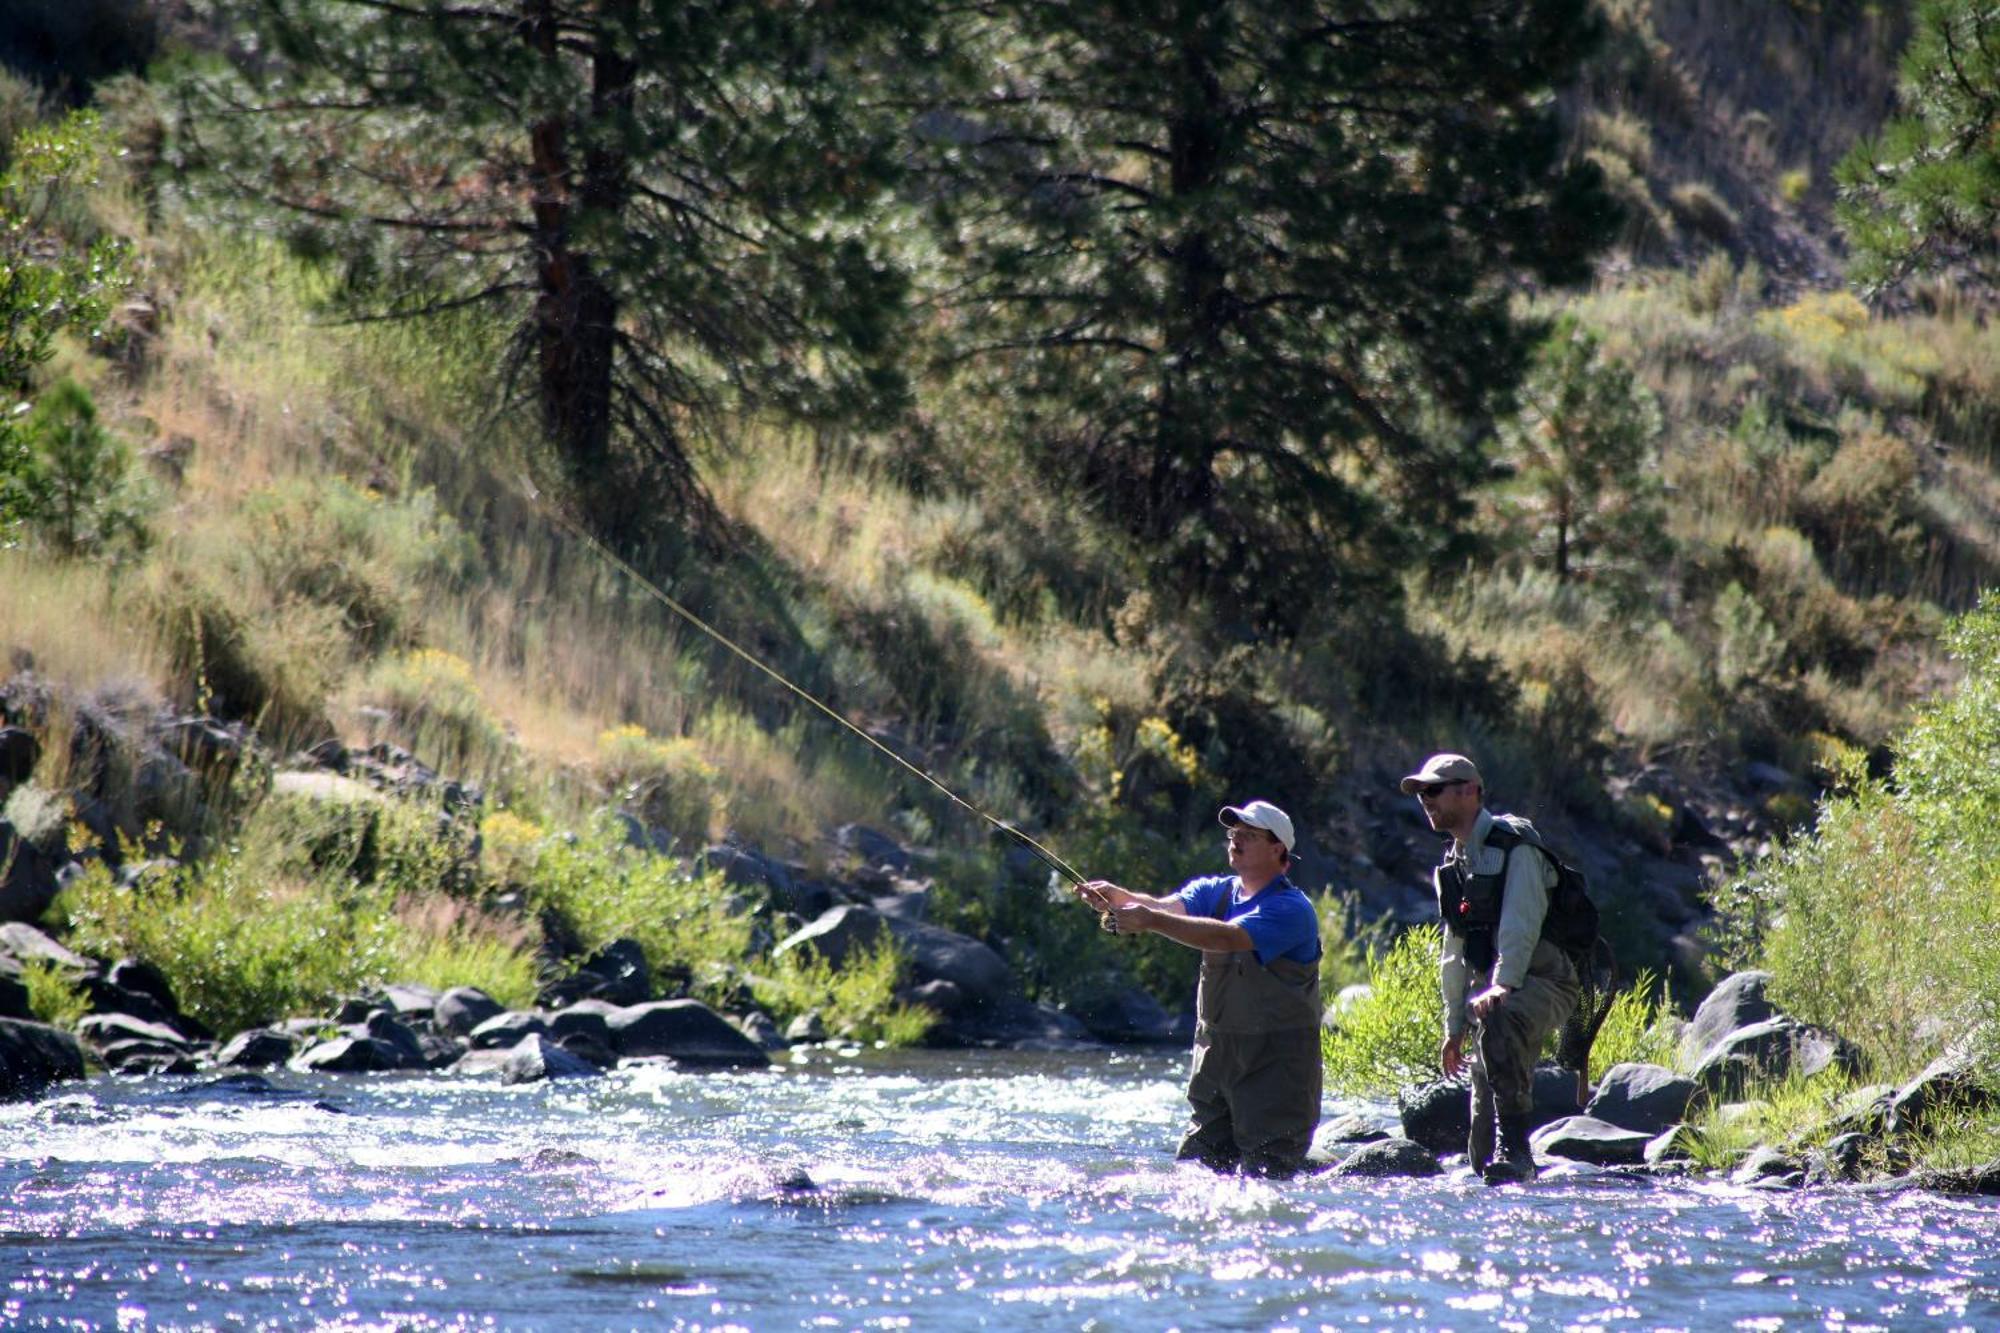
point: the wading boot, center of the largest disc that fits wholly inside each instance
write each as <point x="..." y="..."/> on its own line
<point x="1516" y="1164"/>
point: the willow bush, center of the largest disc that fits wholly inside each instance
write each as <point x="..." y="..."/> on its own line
<point x="1882" y="924"/>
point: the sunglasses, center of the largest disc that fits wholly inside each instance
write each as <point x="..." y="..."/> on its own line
<point x="1430" y="790"/>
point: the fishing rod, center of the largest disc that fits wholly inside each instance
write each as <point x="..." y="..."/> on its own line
<point x="618" y="562"/>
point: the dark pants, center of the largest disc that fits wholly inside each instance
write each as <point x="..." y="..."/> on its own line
<point x="1255" y="1100"/>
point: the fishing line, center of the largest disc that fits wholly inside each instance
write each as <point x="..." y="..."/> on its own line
<point x="618" y="562"/>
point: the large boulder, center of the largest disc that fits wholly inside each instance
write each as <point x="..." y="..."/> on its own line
<point x="1016" y="1024"/>
<point x="105" y="1030"/>
<point x="1775" y="1048"/>
<point x="1120" y="1013"/>
<point x="1646" y="1098"/>
<point x="34" y="1055"/>
<point x="349" y="1055"/>
<point x="616" y="974"/>
<point x="1583" y="1138"/>
<point x="1736" y="1002"/>
<point x="934" y="953"/>
<point x="687" y="1031"/>
<point x="504" y="1031"/>
<point x="25" y="944"/>
<point x="1437" y="1115"/>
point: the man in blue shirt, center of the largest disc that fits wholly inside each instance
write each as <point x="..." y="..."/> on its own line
<point x="1254" y="1087"/>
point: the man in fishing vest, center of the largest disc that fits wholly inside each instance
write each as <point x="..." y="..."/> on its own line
<point x="1503" y="982"/>
<point x="1254" y="1087"/>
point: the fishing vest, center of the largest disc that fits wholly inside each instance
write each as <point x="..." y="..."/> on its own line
<point x="1570" y="922"/>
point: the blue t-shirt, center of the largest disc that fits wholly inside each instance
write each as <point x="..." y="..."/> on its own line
<point x="1280" y="919"/>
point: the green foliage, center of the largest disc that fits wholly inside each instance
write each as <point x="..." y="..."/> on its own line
<point x="438" y="705"/>
<point x="1641" y="1027"/>
<point x="1920" y="196"/>
<point x="856" y="1001"/>
<point x="245" y="943"/>
<point x="1219" y="258"/>
<point x="603" y="889"/>
<point x="54" y="996"/>
<point x="1390" y="1040"/>
<point x="72" y="485"/>
<point x="1882" y="923"/>
<point x="1792" y="1114"/>
<point x="1585" y="493"/>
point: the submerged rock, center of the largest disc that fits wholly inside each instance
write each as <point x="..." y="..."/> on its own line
<point x="1389" y="1157"/>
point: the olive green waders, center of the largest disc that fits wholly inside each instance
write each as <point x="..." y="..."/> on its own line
<point x="1505" y="1045"/>
<point x="1255" y="1082"/>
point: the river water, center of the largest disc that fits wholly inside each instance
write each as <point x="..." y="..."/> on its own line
<point x="948" y="1190"/>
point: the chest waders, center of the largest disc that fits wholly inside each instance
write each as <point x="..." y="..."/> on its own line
<point x="1254" y="1087"/>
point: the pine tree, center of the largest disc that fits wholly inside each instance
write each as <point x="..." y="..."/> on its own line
<point x="671" y="202"/>
<point x="1924" y="195"/>
<point x="1240" y="270"/>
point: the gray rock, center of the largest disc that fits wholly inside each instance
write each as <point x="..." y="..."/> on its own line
<point x="1947" y="1082"/>
<point x="940" y="997"/>
<point x="1438" y="1116"/>
<point x="589" y="1048"/>
<point x="383" y="1027"/>
<point x="34" y="1055"/>
<point x="758" y="1027"/>
<point x="138" y="1056"/>
<point x="933" y="952"/>
<point x="1555" y="1096"/>
<point x="1345" y="1002"/>
<point x="1767" y="1165"/>
<point x="505" y="1031"/>
<point x="410" y="1002"/>
<point x="1389" y="1157"/>
<point x="463" y="1008"/>
<point x="687" y="1031"/>
<point x="103" y="1030"/>
<point x="1776" y="1048"/>
<point x="1017" y="1024"/>
<point x="13" y="994"/>
<point x="26" y="944"/>
<point x="808" y="1027"/>
<point x="1674" y="1145"/>
<point x="1842" y="1159"/>
<point x="257" y="1048"/>
<point x="1583" y="1138"/>
<point x="349" y="1055"/>
<point x="1736" y="1002"/>
<point x="591" y="1021"/>
<point x="1646" y="1098"/>
<point x="537" y="1058"/>
<point x="616" y="974"/>
<point x="1121" y="1014"/>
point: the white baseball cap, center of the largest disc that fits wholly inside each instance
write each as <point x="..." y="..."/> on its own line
<point x="1259" y="814"/>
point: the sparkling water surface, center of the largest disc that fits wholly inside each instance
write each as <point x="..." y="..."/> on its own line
<point x="881" y="1190"/>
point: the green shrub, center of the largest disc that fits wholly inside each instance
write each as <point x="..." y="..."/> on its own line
<point x="1390" y="1040"/>
<point x="54" y="996"/>
<point x="1792" y="1114"/>
<point x="604" y="890"/>
<point x="1641" y="1027"/>
<point x="856" y="1001"/>
<point x="1702" y="209"/>
<point x="1880" y="923"/>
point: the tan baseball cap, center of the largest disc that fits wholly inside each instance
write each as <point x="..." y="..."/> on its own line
<point x="1441" y="768"/>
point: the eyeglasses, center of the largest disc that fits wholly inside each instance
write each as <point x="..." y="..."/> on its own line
<point x="1431" y="790"/>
